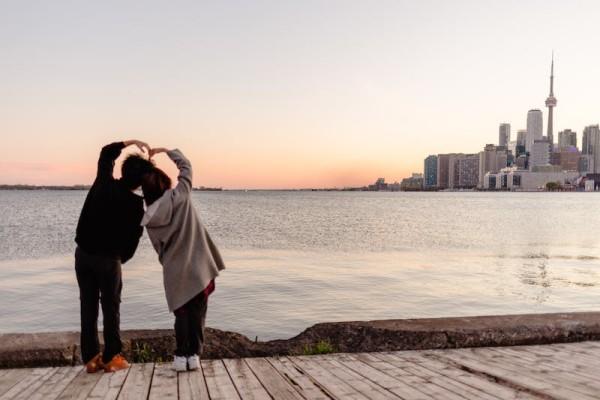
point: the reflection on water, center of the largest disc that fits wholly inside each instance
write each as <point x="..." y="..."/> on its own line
<point x="295" y="259"/>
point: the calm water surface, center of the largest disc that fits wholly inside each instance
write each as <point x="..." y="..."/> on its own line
<point x="298" y="258"/>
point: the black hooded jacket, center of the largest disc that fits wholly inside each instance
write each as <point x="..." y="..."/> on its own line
<point x="109" y="223"/>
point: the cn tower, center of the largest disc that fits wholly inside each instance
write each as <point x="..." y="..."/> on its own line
<point x="551" y="103"/>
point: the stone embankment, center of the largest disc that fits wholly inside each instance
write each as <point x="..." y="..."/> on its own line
<point x="62" y="348"/>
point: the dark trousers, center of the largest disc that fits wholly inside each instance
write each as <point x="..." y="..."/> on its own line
<point x="99" y="279"/>
<point x="189" y="326"/>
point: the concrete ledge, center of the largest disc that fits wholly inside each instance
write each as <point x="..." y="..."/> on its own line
<point x="62" y="348"/>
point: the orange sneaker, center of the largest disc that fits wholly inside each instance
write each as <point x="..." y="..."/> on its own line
<point x="95" y="364"/>
<point x="117" y="363"/>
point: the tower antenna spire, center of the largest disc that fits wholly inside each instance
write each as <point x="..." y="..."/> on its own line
<point x="551" y="103"/>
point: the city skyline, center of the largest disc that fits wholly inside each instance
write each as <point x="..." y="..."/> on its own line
<point x="284" y="95"/>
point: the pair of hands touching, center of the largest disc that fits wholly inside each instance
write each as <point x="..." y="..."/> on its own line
<point x="145" y="147"/>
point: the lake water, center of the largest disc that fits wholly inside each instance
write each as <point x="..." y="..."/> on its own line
<point x="298" y="258"/>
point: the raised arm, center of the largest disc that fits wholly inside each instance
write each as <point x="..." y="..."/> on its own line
<point x="184" y="184"/>
<point x="110" y="152"/>
<point x="106" y="162"/>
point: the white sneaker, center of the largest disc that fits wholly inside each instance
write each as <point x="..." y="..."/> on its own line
<point x="180" y="364"/>
<point x="193" y="362"/>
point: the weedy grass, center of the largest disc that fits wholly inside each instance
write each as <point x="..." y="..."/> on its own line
<point x="321" y="347"/>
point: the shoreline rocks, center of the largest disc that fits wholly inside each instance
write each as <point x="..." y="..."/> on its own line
<point x="62" y="348"/>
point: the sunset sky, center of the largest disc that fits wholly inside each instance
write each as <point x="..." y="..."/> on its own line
<point x="284" y="94"/>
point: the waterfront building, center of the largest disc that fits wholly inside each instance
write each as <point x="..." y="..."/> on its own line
<point x="379" y="185"/>
<point x="468" y="171"/>
<point x="535" y="128"/>
<point x="585" y="164"/>
<point x="414" y="183"/>
<point x="491" y="159"/>
<point x="443" y="170"/>
<point x="551" y="103"/>
<point x="567" y="138"/>
<point x="590" y="133"/>
<point x="592" y="183"/>
<point x="591" y="145"/>
<point x="540" y="153"/>
<point x="525" y="180"/>
<point x="504" y="134"/>
<point x="463" y="171"/>
<point x="430" y="172"/>
<point x="522" y="162"/>
<point x="567" y="158"/>
<point x="394" y="187"/>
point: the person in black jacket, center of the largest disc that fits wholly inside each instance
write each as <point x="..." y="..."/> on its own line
<point x="107" y="235"/>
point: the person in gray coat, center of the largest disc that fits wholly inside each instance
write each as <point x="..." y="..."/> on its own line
<point x="189" y="257"/>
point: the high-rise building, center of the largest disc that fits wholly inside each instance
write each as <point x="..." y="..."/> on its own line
<point x="504" y="134"/>
<point x="535" y="128"/>
<point x="590" y="133"/>
<point x="491" y="159"/>
<point x="540" y="154"/>
<point x="585" y="164"/>
<point x="567" y="158"/>
<point x="468" y="172"/>
<point x="521" y="137"/>
<point x="443" y="170"/>
<point x="551" y="103"/>
<point x="453" y="172"/>
<point x="567" y="138"/>
<point x="430" y="171"/>
<point x="519" y="147"/>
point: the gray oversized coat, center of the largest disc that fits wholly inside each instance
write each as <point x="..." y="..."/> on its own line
<point x="188" y="255"/>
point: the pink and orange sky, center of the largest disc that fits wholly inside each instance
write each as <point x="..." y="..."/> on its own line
<point x="283" y="94"/>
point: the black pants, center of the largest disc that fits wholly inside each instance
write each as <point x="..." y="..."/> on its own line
<point x="189" y="326"/>
<point x="99" y="279"/>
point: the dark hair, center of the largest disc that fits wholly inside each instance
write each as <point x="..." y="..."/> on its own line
<point x="154" y="184"/>
<point x="133" y="169"/>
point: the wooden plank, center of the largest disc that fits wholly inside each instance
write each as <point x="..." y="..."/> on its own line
<point x="326" y="378"/>
<point x="398" y="383"/>
<point x="81" y="386"/>
<point x="567" y="371"/>
<point x="248" y="386"/>
<point x="192" y="386"/>
<point x="405" y="376"/>
<point x="164" y="382"/>
<point x="109" y="385"/>
<point x="535" y="366"/>
<point x="25" y="387"/>
<point x="12" y="377"/>
<point x="300" y="380"/>
<point x="457" y="375"/>
<point x="275" y="384"/>
<point x="218" y="382"/>
<point x="53" y="387"/>
<point x="433" y="377"/>
<point x="137" y="384"/>
<point x="519" y="376"/>
<point x="583" y="349"/>
<point x="365" y="386"/>
<point x="562" y="357"/>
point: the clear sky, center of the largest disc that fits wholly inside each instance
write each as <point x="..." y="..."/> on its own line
<point x="284" y="94"/>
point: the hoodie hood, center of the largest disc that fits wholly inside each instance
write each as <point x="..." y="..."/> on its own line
<point x="160" y="213"/>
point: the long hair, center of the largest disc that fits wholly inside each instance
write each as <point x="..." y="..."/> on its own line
<point x="154" y="184"/>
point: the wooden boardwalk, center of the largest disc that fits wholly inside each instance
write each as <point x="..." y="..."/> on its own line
<point x="559" y="371"/>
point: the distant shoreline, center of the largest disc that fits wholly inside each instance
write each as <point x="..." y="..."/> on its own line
<point x="209" y="189"/>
